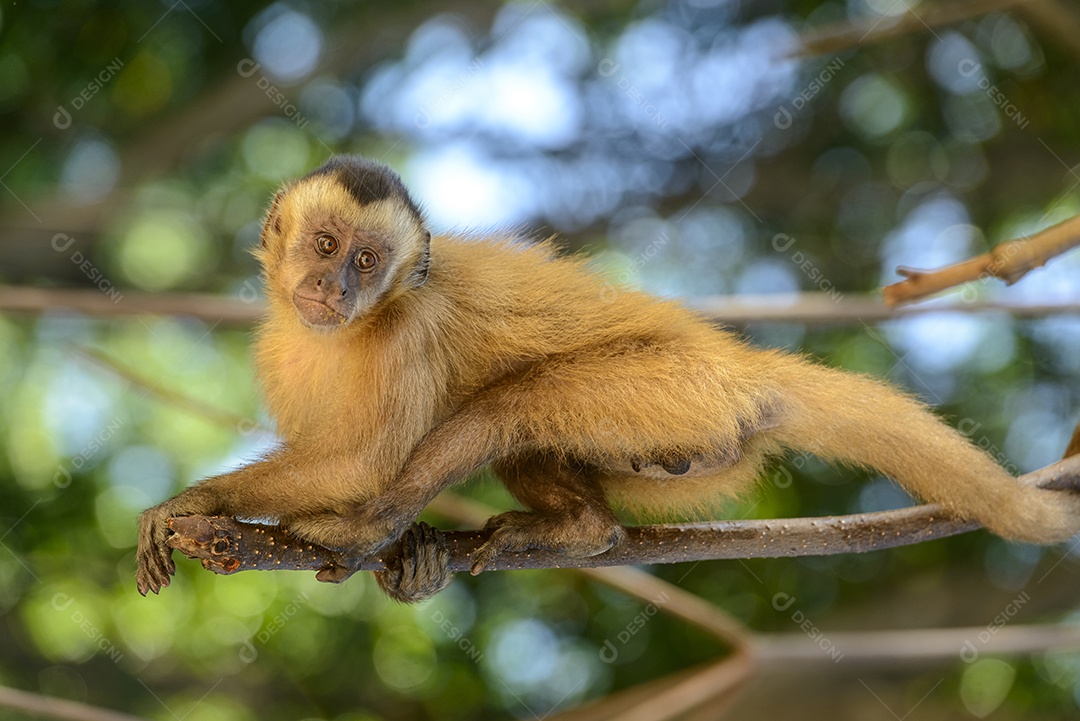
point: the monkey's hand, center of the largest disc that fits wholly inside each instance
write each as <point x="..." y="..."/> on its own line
<point x="154" y="555"/>
<point x="419" y="566"/>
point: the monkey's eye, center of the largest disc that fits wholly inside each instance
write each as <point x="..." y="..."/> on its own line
<point x="366" y="260"/>
<point x="326" y="244"/>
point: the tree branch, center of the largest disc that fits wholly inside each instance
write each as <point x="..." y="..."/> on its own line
<point x="812" y="308"/>
<point x="1057" y="19"/>
<point x="846" y="35"/>
<point x="1009" y="261"/>
<point x="227" y="546"/>
<point x="58" y="708"/>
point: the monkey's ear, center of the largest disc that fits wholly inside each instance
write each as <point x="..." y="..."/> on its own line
<point x="273" y="218"/>
<point x="419" y="274"/>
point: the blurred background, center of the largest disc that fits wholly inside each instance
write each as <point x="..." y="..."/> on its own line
<point x="695" y="148"/>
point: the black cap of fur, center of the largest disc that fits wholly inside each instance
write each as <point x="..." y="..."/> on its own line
<point x="366" y="180"/>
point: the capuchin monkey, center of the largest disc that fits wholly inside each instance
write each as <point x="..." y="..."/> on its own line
<point x="396" y="364"/>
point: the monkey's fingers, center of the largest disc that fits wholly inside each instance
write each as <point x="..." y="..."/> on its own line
<point x="154" y="554"/>
<point x="155" y="570"/>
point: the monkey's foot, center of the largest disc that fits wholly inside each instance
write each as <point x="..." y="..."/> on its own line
<point x="419" y="566"/>
<point x="578" y="535"/>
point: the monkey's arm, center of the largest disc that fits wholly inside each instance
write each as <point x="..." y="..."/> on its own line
<point x="265" y="489"/>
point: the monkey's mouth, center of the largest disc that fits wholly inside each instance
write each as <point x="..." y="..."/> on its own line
<point x="317" y="313"/>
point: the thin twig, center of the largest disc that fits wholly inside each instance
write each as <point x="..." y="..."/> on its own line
<point x="226" y="546"/>
<point x="715" y="676"/>
<point x="1009" y="261"/>
<point x="57" y="708"/>
<point x="1074" y="443"/>
<point x="838" y="37"/>
<point x="813" y="308"/>
<point x="180" y="400"/>
<point x="916" y="646"/>
<point x="1057" y="19"/>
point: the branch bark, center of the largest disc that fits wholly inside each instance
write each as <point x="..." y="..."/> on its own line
<point x="225" y="545"/>
<point x="1010" y="261"/>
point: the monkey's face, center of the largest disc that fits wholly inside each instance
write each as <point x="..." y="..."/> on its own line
<point x="345" y="272"/>
<point x="335" y="260"/>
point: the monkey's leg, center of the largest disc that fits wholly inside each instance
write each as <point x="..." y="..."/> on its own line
<point x="568" y="511"/>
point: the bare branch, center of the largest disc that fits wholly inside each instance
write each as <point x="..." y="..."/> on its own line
<point x="1009" y="261"/>
<point x="57" y="708"/>
<point x="916" y="646"/>
<point x="226" y="546"/>
<point x="841" y="36"/>
<point x="671" y="696"/>
<point x="180" y="400"/>
<point x="1057" y="19"/>
<point x="814" y="308"/>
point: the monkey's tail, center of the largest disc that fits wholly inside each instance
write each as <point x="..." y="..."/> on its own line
<point x="853" y="419"/>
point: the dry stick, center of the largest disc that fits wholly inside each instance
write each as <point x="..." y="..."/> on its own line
<point x="812" y="308"/>
<point x="1074" y="443"/>
<point x="226" y="546"/>
<point x="58" y="708"/>
<point x="180" y="400"/>
<point x="1057" y="19"/>
<point x="913" y="646"/>
<point x="841" y="36"/>
<point x="722" y="679"/>
<point x="602" y="709"/>
<point x="1009" y="261"/>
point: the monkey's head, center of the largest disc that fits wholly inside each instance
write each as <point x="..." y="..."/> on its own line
<point x="342" y="241"/>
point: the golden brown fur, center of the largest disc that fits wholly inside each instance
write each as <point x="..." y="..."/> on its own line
<point x="401" y="382"/>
